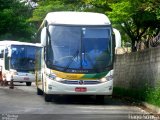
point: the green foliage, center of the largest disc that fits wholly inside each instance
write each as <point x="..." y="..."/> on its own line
<point x="153" y="96"/>
<point x="52" y="6"/>
<point x="121" y="11"/>
<point x="139" y="19"/>
<point x="136" y="94"/>
<point x="45" y="7"/>
<point x="13" y="19"/>
<point x="100" y="6"/>
<point x="146" y="94"/>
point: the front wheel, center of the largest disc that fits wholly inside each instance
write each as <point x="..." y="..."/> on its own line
<point x="28" y="83"/>
<point x="39" y="91"/>
<point x="47" y="97"/>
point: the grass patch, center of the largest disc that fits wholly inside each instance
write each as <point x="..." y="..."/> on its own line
<point x="153" y="96"/>
<point x="149" y="95"/>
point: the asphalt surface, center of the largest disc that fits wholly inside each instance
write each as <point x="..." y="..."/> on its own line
<point x="22" y="103"/>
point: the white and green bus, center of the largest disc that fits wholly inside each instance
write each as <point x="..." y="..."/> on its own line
<point x="17" y="60"/>
<point x="77" y="56"/>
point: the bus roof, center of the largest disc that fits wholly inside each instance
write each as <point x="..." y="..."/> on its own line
<point x="77" y="18"/>
<point x="11" y="42"/>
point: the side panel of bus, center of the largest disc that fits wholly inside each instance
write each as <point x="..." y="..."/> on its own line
<point x="39" y="71"/>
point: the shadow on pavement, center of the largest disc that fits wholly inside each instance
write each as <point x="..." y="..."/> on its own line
<point x="87" y="100"/>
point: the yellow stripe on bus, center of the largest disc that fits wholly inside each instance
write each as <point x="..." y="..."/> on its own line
<point x="71" y="76"/>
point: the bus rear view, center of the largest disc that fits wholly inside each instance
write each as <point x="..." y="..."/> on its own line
<point x="77" y="58"/>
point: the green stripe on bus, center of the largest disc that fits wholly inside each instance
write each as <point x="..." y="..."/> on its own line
<point x="95" y="76"/>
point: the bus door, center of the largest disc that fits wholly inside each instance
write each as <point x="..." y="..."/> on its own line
<point x="38" y="67"/>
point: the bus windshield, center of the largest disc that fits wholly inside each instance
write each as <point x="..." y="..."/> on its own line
<point x="23" y="58"/>
<point x="79" y="48"/>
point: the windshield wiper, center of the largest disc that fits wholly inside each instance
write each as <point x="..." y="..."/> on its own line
<point x="70" y="62"/>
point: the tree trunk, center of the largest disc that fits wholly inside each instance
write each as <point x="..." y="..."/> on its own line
<point x="134" y="48"/>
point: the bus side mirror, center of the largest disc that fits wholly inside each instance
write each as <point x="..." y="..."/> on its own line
<point x="44" y="36"/>
<point x="114" y="42"/>
<point x="117" y="38"/>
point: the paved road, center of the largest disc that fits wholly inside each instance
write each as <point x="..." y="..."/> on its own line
<point x="22" y="103"/>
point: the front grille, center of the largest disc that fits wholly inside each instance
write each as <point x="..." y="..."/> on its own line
<point x="81" y="82"/>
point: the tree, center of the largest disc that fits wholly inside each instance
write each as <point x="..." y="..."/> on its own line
<point x="13" y="19"/>
<point x="46" y="6"/>
<point x="138" y="20"/>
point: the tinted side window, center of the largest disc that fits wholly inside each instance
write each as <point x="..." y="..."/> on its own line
<point x="6" y="60"/>
<point x="1" y="51"/>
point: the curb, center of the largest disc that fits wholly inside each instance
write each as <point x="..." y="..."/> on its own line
<point x="152" y="107"/>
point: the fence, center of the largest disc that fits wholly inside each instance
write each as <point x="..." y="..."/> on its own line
<point x="138" y="69"/>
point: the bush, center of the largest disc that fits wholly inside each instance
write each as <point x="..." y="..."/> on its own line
<point x="150" y="95"/>
<point x="153" y="96"/>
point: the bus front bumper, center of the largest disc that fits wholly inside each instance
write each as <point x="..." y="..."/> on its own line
<point x="24" y="78"/>
<point x="21" y="78"/>
<point x="53" y="87"/>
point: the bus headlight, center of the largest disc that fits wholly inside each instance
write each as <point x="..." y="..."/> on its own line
<point x="103" y="80"/>
<point x="54" y="77"/>
<point x="58" y="79"/>
<point x="13" y="72"/>
<point x="107" y="78"/>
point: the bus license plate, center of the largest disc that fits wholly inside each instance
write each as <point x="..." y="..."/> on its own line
<point x="26" y="78"/>
<point x="80" y="89"/>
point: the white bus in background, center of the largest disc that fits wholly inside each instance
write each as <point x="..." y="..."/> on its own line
<point x="17" y="60"/>
<point x="77" y="56"/>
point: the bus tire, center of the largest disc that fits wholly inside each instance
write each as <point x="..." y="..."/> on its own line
<point x="47" y="97"/>
<point x="28" y="83"/>
<point x="39" y="91"/>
